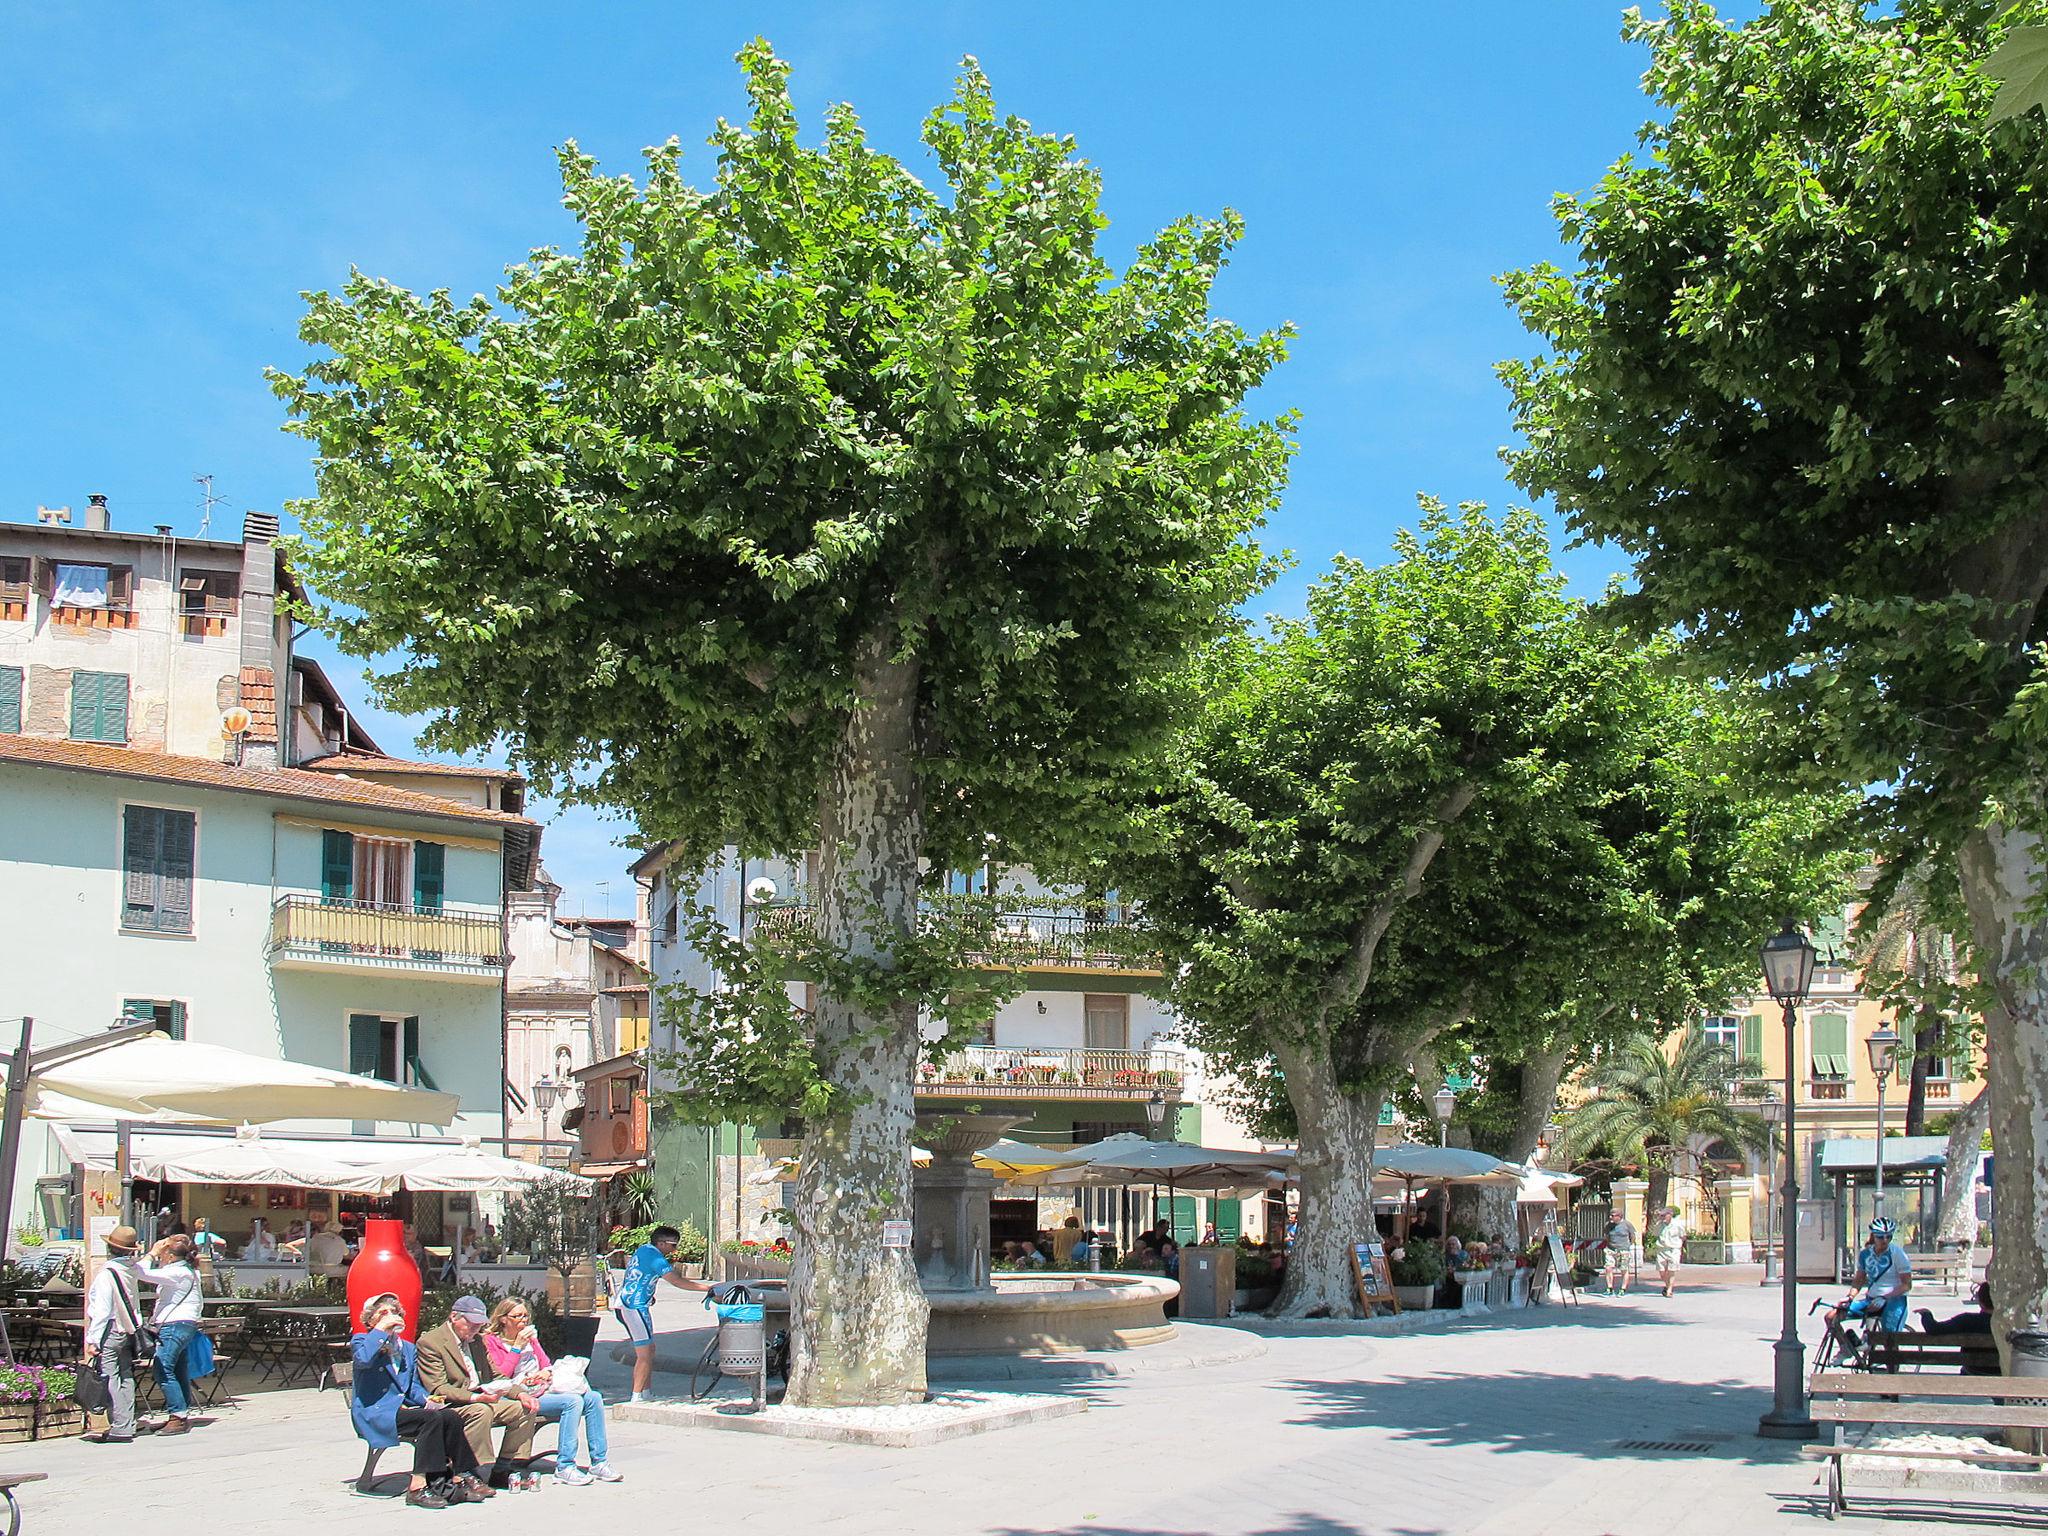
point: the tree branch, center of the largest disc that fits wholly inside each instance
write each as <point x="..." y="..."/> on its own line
<point x="1348" y="984"/>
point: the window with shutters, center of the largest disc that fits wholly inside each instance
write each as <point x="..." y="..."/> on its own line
<point x="158" y="848"/>
<point x="1830" y="1051"/>
<point x="168" y="1016"/>
<point x="15" y="586"/>
<point x="1721" y="1031"/>
<point x="91" y="596"/>
<point x="386" y="1048"/>
<point x="99" y="707"/>
<point x="10" y="700"/>
<point x="1749" y="1049"/>
<point x="207" y="601"/>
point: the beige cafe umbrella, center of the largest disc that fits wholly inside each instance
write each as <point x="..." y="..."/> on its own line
<point x="248" y="1159"/>
<point x="468" y="1168"/>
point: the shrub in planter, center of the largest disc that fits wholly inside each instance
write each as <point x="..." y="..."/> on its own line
<point x="35" y="1402"/>
<point x="1421" y="1264"/>
<point x="1704" y="1250"/>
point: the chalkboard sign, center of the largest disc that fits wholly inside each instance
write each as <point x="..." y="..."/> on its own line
<point x="1553" y="1254"/>
<point x="1375" y="1282"/>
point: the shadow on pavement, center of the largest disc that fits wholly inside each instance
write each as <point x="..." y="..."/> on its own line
<point x="1627" y="1312"/>
<point x="1586" y="1416"/>
<point x="1299" y="1523"/>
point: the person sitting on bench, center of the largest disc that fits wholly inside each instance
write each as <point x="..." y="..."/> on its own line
<point x="453" y="1368"/>
<point x="1978" y="1321"/>
<point x="389" y="1403"/>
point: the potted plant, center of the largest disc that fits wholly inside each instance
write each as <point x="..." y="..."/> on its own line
<point x="35" y="1402"/>
<point x="1417" y="1270"/>
<point x="564" y="1228"/>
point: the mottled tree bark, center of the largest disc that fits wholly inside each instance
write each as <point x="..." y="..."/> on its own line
<point x="2002" y="881"/>
<point x="1334" y="1164"/>
<point x="1957" y="1220"/>
<point x="857" y="1318"/>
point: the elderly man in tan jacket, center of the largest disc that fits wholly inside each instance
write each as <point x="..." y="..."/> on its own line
<point x="450" y="1370"/>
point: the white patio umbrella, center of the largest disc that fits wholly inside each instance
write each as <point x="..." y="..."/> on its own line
<point x="190" y="1082"/>
<point x="1540" y="1185"/>
<point x="248" y="1159"/>
<point x="1414" y="1163"/>
<point x="1127" y="1160"/>
<point x="1010" y="1159"/>
<point x="470" y="1168"/>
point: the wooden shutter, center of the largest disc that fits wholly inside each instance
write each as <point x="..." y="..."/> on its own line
<point x="337" y="865"/>
<point x="177" y="1021"/>
<point x="1229" y="1218"/>
<point x="99" y="706"/>
<point x="1751" y="1048"/>
<point x="175" y="852"/>
<point x="141" y="850"/>
<point x="114" y="707"/>
<point x="120" y="589"/>
<point x="414" y="1067"/>
<point x="1831" y="1044"/>
<point x="429" y="865"/>
<point x="10" y="700"/>
<point x="365" y="1043"/>
<point x="1184" y="1229"/>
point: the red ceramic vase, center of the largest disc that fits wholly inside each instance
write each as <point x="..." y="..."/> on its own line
<point x="384" y="1265"/>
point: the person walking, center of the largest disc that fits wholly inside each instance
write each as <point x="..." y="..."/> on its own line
<point x="1671" y="1247"/>
<point x="389" y="1404"/>
<point x="113" y="1327"/>
<point x="1619" y="1261"/>
<point x="515" y="1353"/>
<point x="175" y="1316"/>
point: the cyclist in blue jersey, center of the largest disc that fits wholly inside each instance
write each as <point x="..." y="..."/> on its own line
<point x="652" y="1262"/>
<point x="1884" y="1274"/>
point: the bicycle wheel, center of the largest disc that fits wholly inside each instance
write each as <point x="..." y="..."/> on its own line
<point x="704" y="1376"/>
<point x="1826" y="1352"/>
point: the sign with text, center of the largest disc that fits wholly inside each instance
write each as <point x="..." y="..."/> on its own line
<point x="895" y="1234"/>
<point x="1375" y="1282"/>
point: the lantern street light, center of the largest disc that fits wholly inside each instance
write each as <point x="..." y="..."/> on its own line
<point x="547" y="1093"/>
<point x="1443" y="1102"/>
<point x="1155" y="1112"/>
<point x="1883" y="1046"/>
<point x="1788" y="973"/>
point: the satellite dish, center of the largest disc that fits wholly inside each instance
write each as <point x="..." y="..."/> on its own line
<point x="234" y="721"/>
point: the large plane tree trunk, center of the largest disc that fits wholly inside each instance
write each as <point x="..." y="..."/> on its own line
<point x="2002" y="881"/>
<point x="1957" y="1220"/>
<point x="1334" y="1159"/>
<point x="857" y="1318"/>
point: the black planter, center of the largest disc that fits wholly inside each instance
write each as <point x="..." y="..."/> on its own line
<point x="579" y="1336"/>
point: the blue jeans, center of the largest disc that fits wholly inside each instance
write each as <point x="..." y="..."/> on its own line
<point x="584" y="1413"/>
<point x="172" y="1373"/>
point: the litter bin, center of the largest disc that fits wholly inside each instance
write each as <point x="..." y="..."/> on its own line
<point x="1208" y="1280"/>
<point x="2029" y="1358"/>
<point x="742" y="1340"/>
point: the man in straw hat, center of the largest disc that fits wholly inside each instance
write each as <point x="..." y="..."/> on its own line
<point x="113" y="1311"/>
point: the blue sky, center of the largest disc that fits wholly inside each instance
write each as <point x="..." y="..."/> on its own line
<point x="171" y="183"/>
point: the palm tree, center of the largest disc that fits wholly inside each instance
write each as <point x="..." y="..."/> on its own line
<point x="1650" y="1107"/>
<point x="1907" y="952"/>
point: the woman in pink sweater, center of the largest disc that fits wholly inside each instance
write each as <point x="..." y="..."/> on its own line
<point x="515" y="1354"/>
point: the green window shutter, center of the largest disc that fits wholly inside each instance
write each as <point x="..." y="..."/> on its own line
<point x="1751" y="1043"/>
<point x="85" y="706"/>
<point x="99" y="707"/>
<point x="413" y="1063"/>
<point x="1229" y="1218"/>
<point x="429" y="867"/>
<point x="337" y="866"/>
<point x="10" y="700"/>
<point x="1831" y="938"/>
<point x="141" y="855"/>
<point x="114" y="707"/>
<point x="177" y="1021"/>
<point x="1184" y="1229"/>
<point x="365" y="1043"/>
<point x="1831" y="1044"/>
<point x="175" y="856"/>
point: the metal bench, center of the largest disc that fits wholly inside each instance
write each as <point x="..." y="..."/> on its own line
<point x="9" y="1481"/>
<point x="1843" y="1398"/>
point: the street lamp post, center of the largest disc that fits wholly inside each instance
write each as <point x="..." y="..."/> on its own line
<point x="546" y="1094"/>
<point x="1788" y="972"/>
<point x="1155" y="1112"/>
<point x="1443" y="1102"/>
<point x="1883" y="1046"/>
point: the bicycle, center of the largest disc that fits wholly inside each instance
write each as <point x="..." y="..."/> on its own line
<point x="1850" y="1344"/>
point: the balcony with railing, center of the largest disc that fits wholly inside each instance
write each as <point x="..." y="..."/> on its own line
<point x="1031" y="940"/>
<point x="1054" y="1072"/>
<point x="309" y="933"/>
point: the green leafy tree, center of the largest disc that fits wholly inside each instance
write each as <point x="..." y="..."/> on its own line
<point x="1383" y="820"/>
<point x="1797" y="375"/>
<point x="1659" y="1107"/>
<point x="813" y="508"/>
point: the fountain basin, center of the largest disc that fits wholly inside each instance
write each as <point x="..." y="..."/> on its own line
<point x="1040" y="1313"/>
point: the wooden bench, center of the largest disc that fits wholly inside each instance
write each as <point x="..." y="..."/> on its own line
<point x="1951" y="1269"/>
<point x="1843" y="1398"/>
<point x="1973" y="1354"/>
<point x="9" y="1481"/>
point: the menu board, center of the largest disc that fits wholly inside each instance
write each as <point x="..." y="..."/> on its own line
<point x="1375" y="1282"/>
<point x="1553" y="1254"/>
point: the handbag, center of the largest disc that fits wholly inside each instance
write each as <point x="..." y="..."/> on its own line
<point x="199" y="1359"/>
<point x="90" y="1390"/>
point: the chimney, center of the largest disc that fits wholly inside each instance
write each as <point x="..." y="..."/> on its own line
<point x="97" y="518"/>
<point x="261" y="745"/>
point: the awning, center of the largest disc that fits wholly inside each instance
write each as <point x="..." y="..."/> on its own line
<point x="1854" y="1154"/>
<point x="610" y="1170"/>
<point x="362" y="1164"/>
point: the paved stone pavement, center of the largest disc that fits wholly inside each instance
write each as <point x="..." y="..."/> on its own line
<point x="1507" y="1428"/>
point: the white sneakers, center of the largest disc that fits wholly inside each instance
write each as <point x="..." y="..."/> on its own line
<point x="576" y="1477"/>
<point x="603" y="1473"/>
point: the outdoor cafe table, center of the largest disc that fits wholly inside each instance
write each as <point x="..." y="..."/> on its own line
<point x="301" y="1344"/>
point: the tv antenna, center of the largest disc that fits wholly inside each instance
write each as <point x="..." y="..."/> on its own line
<point x="207" y="501"/>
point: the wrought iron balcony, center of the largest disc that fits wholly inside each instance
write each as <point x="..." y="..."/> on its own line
<point x="1054" y="1072"/>
<point x="309" y="933"/>
<point x="1028" y="939"/>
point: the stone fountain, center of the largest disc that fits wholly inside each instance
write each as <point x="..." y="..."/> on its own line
<point x="976" y="1312"/>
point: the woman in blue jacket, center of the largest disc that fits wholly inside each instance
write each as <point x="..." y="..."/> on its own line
<point x="388" y="1405"/>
